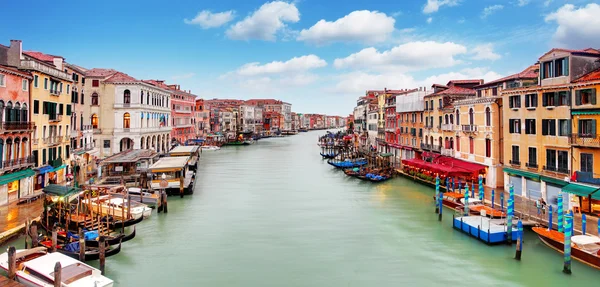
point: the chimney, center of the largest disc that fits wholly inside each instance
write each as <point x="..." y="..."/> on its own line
<point x="14" y="54"/>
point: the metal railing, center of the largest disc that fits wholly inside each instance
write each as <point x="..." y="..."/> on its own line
<point x="448" y="127"/>
<point x="469" y="128"/>
<point x="557" y="169"/>
<point x="17" y="126"/>
<point x="17" y="163"/>
<point x="514" y="162"/>
<point x="448" y="152"/>
<point x="55" y="118"/>
<point x="588" y="140"/>
<point x="33" y="65"/>
<point x="55" y="92"/>
<point x="431" y="147"/>
<point x="531" y="165"/>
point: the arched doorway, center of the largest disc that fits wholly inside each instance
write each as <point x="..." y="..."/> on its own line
<point x="142" y="143"/>
<point x="126" y="143"/>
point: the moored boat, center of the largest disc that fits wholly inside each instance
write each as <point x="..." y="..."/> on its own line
<point x="348" y="163"/>
<point x="35" y="267"/>
<point x="210" y="148"/>
<point x="118" y="208"/>
<point x="71" y="249"/>
<point x="584" y="248"/>
<point x="328" y="155"/>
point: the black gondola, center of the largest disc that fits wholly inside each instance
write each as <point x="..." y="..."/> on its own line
<point x="112" y="240"/>
<point x="90" y="254"/>
<point x="119" y="224"/>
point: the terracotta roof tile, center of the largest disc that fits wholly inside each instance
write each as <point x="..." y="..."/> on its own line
<point x="16" y="71"/>
<point x="478" y="81"/>
<point x="97" y="72"/>
<point x="455" y="91"/>
<point x="591" y="76"/>
<point x="531" y="72"/>
<point x="41" y="56"/>
<point x="121" y="77"/>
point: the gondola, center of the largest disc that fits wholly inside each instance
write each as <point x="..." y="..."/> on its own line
<point x="328" y="155"/>
<point x="109" y="239"/>
<point x="90" y="253"/>
<point x="119" y="224"/>
<point x="348" y="163"/>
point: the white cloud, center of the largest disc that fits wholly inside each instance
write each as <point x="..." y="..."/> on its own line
<point x="577" y="27"/>
<point x="487" y="11"/>
<point x="207" y="19"/>
<point x="485" y="52"/>
<point x="293" y="65"/>
<point x="429" y="20"/>
<point x="405" y="57"/>
<point x="265" y="22"/>
<point x="522" y="3"/>
<point x="183" y="76"/>
<point x="434" y="5"/>
<point x="359" y="26"/>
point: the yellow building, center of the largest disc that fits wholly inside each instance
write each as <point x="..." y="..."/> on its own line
<point x="51" y="102"/>
<point x="538" y="158"/>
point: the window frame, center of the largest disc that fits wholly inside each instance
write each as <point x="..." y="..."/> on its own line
<point x="2" y="80"/>
<point x="586" y="162"/>
<point x="25" y="85"/>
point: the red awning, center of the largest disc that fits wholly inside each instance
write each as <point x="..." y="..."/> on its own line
<point x="465" y="166"/>
<point x="443" y="169"/>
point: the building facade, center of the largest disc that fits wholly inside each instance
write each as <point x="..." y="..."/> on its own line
<point x="202" y="115"/>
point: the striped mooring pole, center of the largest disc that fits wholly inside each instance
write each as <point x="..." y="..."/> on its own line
<point x="510" y="212"/>
<point x="466" y="199"/>
<point x="493" y="198"/>
<point x="567" y="243"/>
<point x="481" y="191"/>
<point x="583" y="224"/>
<point x="519" y="240"/>
<point x="550" y="217"/>
<point x="437" y="194"/>
<point x="560" y="212"/>
<point x="502" y="201"/>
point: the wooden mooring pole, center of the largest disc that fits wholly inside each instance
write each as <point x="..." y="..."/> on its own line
<point x="519" y="240"/>
<point x="34" y="235"/>
<point x="81" y="245"/>
<point x="57" y="275"/>
<point x="12" y="263"/>
<point x="54" y="239"/>
<point x="102" y="253"/>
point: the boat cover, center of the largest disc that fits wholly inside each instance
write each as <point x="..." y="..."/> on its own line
<point x="72" y="247"/>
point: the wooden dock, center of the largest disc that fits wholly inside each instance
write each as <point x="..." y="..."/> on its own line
<point x="5" y="282"/>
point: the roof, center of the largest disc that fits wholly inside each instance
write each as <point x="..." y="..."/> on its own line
<point x="439" y="86"/>
<point x="77" y="68"/>
<point x="132" y="155"/>
<point x="160" y="84"/>
<point x="121" y="77"/>
<point x="184" y="149"/>
<point x="175" y="162"/>
<point x="454" y="91"/>
<point x="60" y="190"/>
<point x="478" y="81"/>
<point x="585" y="52"/>
<point x="591" y="76"/>
<point x="12" y="70"/>
<point x="41" y="56"/>
<point x="531" y="72"/>
<point x="98" y="72"/>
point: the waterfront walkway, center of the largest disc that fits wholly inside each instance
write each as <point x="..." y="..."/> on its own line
<point x="14" y="216"/>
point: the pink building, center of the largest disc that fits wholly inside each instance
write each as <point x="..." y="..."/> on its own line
<point x="183" y="104"/>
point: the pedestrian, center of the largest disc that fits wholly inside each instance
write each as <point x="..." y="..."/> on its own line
<point x="543" y="203"/>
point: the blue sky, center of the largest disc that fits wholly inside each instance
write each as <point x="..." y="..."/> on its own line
<point x="318" y="55"/>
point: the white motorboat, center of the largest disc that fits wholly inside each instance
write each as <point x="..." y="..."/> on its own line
<point x="35" y="267"/>
<point x="116" y="207"/>
<point x="210" y="148"/>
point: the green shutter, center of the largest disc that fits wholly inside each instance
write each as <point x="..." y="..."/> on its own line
<point x="569" y="127"/>
<point x="556" y="99"/>
<point x="593" y="127"/>
<point x="578" y="97"/>
<point x="593" y="96"/>
<point x="59" y="155"/>
<point x="44" y="161"/>
<point x="68" y="110"/>
<point x="566" y="67"/>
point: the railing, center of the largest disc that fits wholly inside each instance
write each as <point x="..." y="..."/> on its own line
<point x="97" y="131"/>
<point x="31" y="64"/>
<point x="183" y="111"/>
<point x="514" y="162"/>
<point x="55" y="140"/>
<point x="469" y="128"/>
<point x="588" y="177"/>
<point x="17" y="163"/>
<point x="18" y="126"/>
<point x="428" y="126"/>
<point x="531" y="165"/>
<point x="587" y="140"/>
<point x="448" y="127"/>
<point x="430" y="147"/>
<point x="448" y="152"/>
<point x="557" y="169"/>
<point x="55" y="118"/>
<point x="55" y="92"/>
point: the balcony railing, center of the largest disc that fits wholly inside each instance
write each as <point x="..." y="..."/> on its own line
<point x="55" y="92"/>
<point x="587" y="140"/>
<point x="469" y="128"/>
<point x="17" y="163"/>
<point x="55" y="118"/>
<point x="448" y="152"/>
<point x="20" y="126"/>
<point x="428" y="126"/>
<point x="531" y="165"/>
<point x="588" y="177"/>
<point x="35" y="141"/>
<point x="34" y="65"/>
<point x="97" y="131"/>
<point x="557" y="169"/>
<point x="448" y="127"/>
<point x="430" y="147"/>
<point x="514" y="162"/>
<point x="54" y="140"/>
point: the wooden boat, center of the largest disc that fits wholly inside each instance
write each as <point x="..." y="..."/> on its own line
<point x="115" y="207"/>
<point x="177" y="173"/>
<point x="489" y="212"/>
<point x="142" y="195"/>
<point x="452" y="200"/>
<point x="210" y="148"/>
<point x="112" y="239"/>
<point x="238" y="143"/>
<point x="328" y="155"/>
<point x="348" y="163"/>
<point x="584" y="248"/>
<point x="72" y="250"/>
<point x="455" y="201"/>
<point x="302" y="130"/>
<point x="35" y="267"/>
<point x="114" y="224"/>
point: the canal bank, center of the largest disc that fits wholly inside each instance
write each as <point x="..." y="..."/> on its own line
<point x="275" y="214"/>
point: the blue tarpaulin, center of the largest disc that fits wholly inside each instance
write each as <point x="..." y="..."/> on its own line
<point x="91" y="235"/>
<point x="72" y="247"/>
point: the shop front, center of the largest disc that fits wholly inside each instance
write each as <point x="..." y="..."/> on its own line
<point x="15" y="185"/>
<point x="41" y="177"/>
<point x="584" y="198"/>
<point x="57" y="175"/>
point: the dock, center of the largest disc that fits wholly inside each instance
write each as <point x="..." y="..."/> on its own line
<point x="5" y="282"/>
<point x="490" y="231"/>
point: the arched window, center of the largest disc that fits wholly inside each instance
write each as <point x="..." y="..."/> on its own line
<point x="471" y="117"/>
<point x="446" y="119"/>
<point x="488" y="117"/>
<point x="440" y="142"/>
<point x="142" y="97"/>
<point x="457" y="143"/>
<point x="94" y="99"/>
<point x="126" y="97"/>
<point x="446" y="143"/>
<point x="8" y="112"/>
<point x="24" y="113"/>
<point x="451" y="143"/>
<point x="457" y="117"/>
<point x="126" y="121"/>
<point x="95" y="121"/>
<point x="16" y="113"/>
<point x="1" y="110"/>
<point x="451" y="119"/>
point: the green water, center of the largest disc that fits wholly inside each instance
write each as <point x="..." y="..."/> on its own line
<point x="275" y="214"/>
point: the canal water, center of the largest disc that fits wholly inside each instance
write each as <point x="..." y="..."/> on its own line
<point x="275" y="214"/>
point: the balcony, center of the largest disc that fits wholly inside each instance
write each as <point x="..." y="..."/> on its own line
<point x="55" y="92"/>
<point x="531" y="165"/>
<point x="46" y="69"/>
<point x="52" y="141"/>
<point x="18" y="126"/>
<point x="555" y="169"/>
<point x="97" y="130"/>
<point x="448" y="152"/>
<point x="17" y="163"/>
<point x="429" y="147"/>
<point x="514" y="162"/>
<point x="448" y="127"/>
<point x="181" y="111"/>
<point x="469" y="128"/>
<point x="428" y="126"/>
<point x="585" y="140"/>
<point x="588" y="177"/>
<point x="55" y="118"/>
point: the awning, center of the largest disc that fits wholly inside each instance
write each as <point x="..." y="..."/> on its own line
<point x="560" y="183"/>
<point x="585" y="112"/>
<point x="7" y="178"/>
<point x="387" y="154"/>
<point x="434" y="167"/>
<point x="522" y="173"/>
<point x="44" y="169"/>
<point x="58" y="168"/>
<point x="60" y="190"/>
<point x="579" y="190"/>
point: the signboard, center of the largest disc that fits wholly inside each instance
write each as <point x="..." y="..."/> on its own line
<point x="118" y="168"/>
<point x="164" y="183"/>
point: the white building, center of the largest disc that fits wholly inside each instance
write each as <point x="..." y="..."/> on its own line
<point x="248" y="119"/>
<point x="372" y="120"/>
<point x="286" y="111"/>
<point x="127" y="113"/>
<point x="258" y="119"/>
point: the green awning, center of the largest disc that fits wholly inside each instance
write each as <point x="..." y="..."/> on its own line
<point x="523" y="173"/>
<point x="7" y="178"/>
<point x="386" y="154"/>
<point x="60" y="190"/>
<point x="596" y="195"/>
<point x="554" y="181"/>
<point x="59" y="168"/>
<point x="585" y="112"/>
<point x="580" y="190"/>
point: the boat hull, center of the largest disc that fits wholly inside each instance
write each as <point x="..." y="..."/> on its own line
<point x="576" y="253"/>
<point x="485" y="231"/>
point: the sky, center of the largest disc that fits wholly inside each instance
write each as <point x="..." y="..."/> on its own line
<point x="318" y="55"/>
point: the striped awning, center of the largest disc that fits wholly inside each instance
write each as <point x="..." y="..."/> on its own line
<point x="585" y="112"/>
